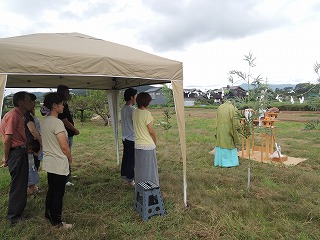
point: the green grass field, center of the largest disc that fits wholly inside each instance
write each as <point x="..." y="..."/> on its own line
<point x="283" y="203"/>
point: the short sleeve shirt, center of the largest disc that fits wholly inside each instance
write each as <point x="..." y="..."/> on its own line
<point x="13" y="124"/>
<point x="54" y="160"/>
<point x="126" y="122"/>
<point x="143" y="139"/>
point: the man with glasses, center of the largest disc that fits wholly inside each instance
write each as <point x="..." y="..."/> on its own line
<point x="15" y="154"/>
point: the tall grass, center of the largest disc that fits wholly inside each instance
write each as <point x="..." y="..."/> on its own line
<point x="283" y="202"/>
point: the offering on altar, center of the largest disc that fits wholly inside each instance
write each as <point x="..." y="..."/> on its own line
<point x="277" y="155"/>
<point x="262" y="143"/>
<point x="271" y="115"/>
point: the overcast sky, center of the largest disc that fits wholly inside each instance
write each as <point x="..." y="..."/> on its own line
<point x="210" y="37"/>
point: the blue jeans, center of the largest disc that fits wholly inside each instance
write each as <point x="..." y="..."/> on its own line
<point x="70" y="141"/>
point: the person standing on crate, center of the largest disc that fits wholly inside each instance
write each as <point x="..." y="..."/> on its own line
<point x="15" y="154"/>
<point x="127" y="165"/>
<point x="67" y="120"/>
<point x="226" y="153"/>
<point x="145" y="140"/>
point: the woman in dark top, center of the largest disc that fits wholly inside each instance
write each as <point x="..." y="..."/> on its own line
<point x="33" y="147"/>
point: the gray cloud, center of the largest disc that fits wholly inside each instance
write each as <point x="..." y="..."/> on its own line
<point x="179" y="23"/>
<point x="34" y="8"/>
<point x="175" y="24"/>
<point x="94" y="10"/>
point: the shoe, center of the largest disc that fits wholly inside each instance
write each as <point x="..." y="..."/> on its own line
<point x="131" y="183"/>
<point x="66" y="225"/>
<point x="69" y="184"/>
<point x="32" y="189"/>
<point x="63" y="225"/>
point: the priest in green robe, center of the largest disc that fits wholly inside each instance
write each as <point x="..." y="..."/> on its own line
<point x="226" y="153"/>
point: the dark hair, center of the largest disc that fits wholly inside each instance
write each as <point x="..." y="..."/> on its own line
<point x="143" y="99"/>
<point x="128" y="93"/>
<point x="52" y="98"/>
<point x="62" y="88"/>
<point x="17" y="97"/>
<point x="32" y="96"/>
<point x="33" y="145"/>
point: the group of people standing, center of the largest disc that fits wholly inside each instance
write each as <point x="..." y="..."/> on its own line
<point x="139" y="161"/>
<point x="26" y="142"/>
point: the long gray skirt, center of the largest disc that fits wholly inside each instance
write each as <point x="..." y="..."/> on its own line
<point x="146" y="166"/>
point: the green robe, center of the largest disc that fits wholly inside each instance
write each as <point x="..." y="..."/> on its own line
<point x="226" y="129"/>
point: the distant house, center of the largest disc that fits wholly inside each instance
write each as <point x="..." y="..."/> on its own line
<point x="216" y="94"/>
<point x="191" y="96"/>
<point x="225" y="93"/>
<point x="157" y="96"/>
<point x="234" y="91"/>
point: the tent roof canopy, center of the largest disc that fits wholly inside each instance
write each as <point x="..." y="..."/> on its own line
<point x="80" y="61"/>
<point x="48" y="59"/>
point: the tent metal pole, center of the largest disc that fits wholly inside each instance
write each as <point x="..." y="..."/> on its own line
<point x="3" y="82"/>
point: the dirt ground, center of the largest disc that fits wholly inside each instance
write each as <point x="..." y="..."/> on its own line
<point x="298" y="116"/>
<point x="200" y="112"/>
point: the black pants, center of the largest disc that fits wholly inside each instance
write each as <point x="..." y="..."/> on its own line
<point x="127" y="166"/>
<point x="18" y="165"/>
<point x="56" y="190"/>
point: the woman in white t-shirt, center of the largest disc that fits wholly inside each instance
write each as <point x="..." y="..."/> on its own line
<point x="145" y="139"/>
<point x="56" y="159"/>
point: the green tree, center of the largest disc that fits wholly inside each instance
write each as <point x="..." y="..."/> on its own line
<point x="316" y="68"/>
<point x="314" y="100"/>
<point x="261" y="92"/>
<point x="79" y="103"/>
<point x="98" y="102"/>
<point x="259" y="95"/>
<point x="257" y="100"/>
<point x="305" y="88"/>
<point x="167" y="92"/>
<point x="287" y="89"/>
<point x="165" y="122"/>
<point x="94" y="100"/>
<point x="246" y="76"/>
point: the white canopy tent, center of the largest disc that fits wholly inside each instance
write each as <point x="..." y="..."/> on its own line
<point x="84" y="62"/>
